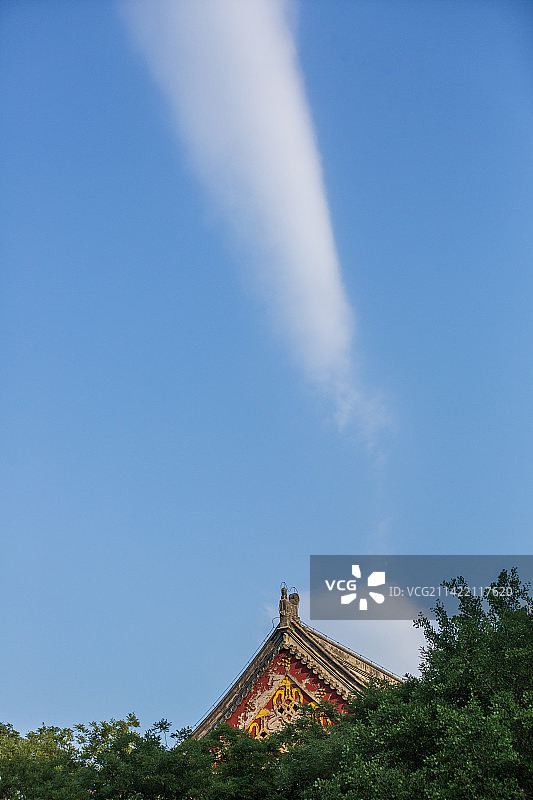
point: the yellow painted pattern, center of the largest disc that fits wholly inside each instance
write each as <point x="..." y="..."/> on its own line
<point x="284" y="709"/>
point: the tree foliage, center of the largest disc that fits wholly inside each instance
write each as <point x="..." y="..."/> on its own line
<point x="464" y="729"/>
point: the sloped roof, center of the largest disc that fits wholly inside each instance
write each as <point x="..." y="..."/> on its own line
<point x="337" y="667"/>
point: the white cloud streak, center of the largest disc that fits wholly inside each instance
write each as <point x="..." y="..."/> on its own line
<point x="230" y="73"/>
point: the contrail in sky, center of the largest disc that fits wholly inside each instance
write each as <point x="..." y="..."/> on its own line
<point x="230" y="73"/>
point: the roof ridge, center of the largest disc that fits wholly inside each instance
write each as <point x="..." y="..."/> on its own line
<point x="347" y="649"/>
<point x="239" y="675"/>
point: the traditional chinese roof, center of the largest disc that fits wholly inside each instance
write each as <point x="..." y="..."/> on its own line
<point x="295" y="664"/>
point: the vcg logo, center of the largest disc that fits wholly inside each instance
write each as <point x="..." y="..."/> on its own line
<point x="350" y="587"/>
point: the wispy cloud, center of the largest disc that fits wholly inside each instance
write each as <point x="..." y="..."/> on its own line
<point x="230" y="73"/>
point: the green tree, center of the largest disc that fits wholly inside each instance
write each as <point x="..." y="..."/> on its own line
<point x="40" y="766"/>
<point x="465" y="728"/>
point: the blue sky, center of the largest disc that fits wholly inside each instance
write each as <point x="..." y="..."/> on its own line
<point x="179" y="433"/>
